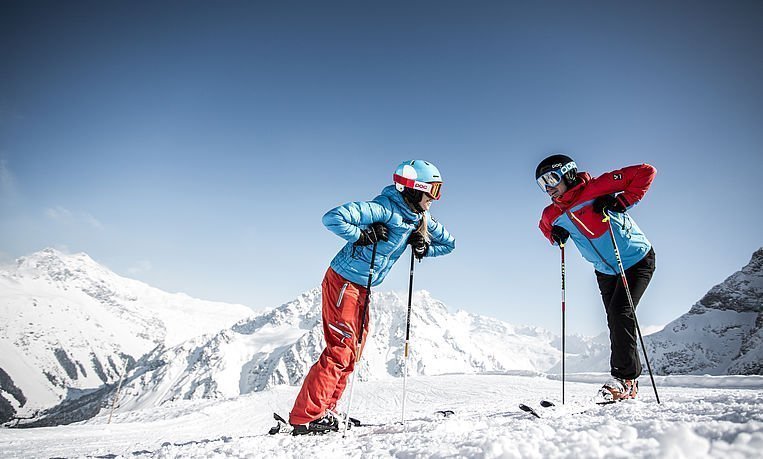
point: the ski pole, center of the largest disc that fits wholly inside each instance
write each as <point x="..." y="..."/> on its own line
<point x="564" y="308"/>
<point x="360" y="339"/>
<point x="624" y="278"/>
<point x="407" y="334"/>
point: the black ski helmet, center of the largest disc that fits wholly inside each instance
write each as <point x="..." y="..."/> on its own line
<point x="559" y="161"/>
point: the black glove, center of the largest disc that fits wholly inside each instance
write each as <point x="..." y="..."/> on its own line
<point x="559" y="234"/>
<point x="609" y="202"/>
<point x="419" y="245"/>
<point x="374" y="233"/>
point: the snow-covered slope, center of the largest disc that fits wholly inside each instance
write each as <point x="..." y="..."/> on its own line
<point x="721" y="334"/>
<point x="278" y="347"/>
<point x="68" y="325"/>
<point x="584" y="354"/>
<point x="700" y="417"/>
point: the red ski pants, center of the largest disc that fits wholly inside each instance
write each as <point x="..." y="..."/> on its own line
<point x="325" y="382"/>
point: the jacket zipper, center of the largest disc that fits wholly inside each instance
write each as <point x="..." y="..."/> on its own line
<point x="572" y="216"/>
<point x="343" y="333"/>
<point x="341" y="295"/>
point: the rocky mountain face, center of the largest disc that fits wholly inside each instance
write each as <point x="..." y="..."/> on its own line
<point x="70" y="327"/>
<point x="721" y="334"/>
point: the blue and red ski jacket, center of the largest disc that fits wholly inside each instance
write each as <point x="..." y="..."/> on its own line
<point x="574" y="212"/>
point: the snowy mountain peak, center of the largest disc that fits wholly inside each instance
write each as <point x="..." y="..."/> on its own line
<point x="722" y="333"/>
<point x="56" y="266"/>
<point x="68" y="325"/>
<point x="279" y="347"/>
<point x="741" y="292"/>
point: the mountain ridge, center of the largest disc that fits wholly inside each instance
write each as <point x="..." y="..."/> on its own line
<point x="69" y="326"/>
<point x="722" y="333"/>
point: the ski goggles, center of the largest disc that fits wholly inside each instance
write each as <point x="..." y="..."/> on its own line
<point x="553" y="178"/>
<point x="432" y="189"/>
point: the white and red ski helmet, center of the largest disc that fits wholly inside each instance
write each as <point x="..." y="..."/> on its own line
<point x="420" y="175"/>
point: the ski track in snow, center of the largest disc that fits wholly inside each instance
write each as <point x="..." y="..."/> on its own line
<point x="693" y="421"/>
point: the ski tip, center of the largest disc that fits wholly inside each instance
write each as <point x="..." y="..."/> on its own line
<point x="546" y="404"/>
<point x="445" y="413"/>
<point x="280" y="426"/>
<point x="527" y="409"/>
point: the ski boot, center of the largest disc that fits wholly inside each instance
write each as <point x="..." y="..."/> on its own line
<point x="339" y="417"/>
<point x="327" y="423"/>
<point x="617" y="389"/>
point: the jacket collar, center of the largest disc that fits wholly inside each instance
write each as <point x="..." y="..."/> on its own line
<point x="570" y="197"/>
<point x="397" y="198"/>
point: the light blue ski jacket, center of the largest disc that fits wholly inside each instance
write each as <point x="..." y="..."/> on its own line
<point x="346" y="221"/>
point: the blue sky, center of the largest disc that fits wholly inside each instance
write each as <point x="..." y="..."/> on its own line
<point x="196" y="145"/>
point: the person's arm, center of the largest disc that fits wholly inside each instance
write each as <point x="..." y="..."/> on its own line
<point x="441" y="243"/>
<point x="631" y="182"/>
<point x="347" y="220"/>
<point x="545" y="225"/>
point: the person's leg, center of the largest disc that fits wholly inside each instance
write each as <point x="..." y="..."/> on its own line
<point x="320" y="384"/>
<point x="359" y="297"/>
<point x="624" y="360"/>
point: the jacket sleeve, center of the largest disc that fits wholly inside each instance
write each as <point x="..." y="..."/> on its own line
<point x="441" y="243"/>
<point x="632" y="181"/>
<point x="347" y="220"/>
<point x="545" y="226"/>
<point x="546" y="222"/>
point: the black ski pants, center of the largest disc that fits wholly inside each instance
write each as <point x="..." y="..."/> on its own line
<point x="624" y="360"/>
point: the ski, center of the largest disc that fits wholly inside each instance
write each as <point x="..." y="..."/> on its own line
<point x="533" y="411"/>
<point x="353" y="422"/>
<point x="549" y="404"/>
<point x="528" y="409"/>
<point x="281" y="425"/>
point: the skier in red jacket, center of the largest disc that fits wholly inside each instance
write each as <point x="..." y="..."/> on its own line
<point x="578" y="204"/>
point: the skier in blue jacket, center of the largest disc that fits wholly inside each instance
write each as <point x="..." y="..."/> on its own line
<point x="398" y="217"/>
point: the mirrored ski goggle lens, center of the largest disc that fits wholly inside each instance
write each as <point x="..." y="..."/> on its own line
<point x="434" y="191"/>
<point x="549" y="180"/>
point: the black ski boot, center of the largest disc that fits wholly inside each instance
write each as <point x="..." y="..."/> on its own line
<point x="327" y="423"/>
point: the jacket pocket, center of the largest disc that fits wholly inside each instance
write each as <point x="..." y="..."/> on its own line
<point x="341" y="295"/>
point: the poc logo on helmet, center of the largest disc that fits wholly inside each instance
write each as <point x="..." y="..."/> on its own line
<point x="567" y="167"/>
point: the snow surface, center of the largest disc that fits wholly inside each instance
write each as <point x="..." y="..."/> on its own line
<point x="699" y="417"/>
